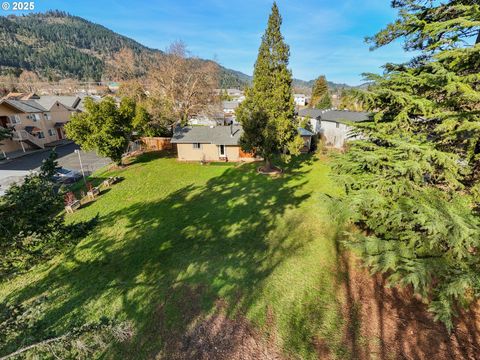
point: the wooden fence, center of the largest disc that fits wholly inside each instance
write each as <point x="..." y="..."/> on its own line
<point x="157" y="143"/>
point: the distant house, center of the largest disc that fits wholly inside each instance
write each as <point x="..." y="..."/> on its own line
<point x="205" y="121"/>
<point x="210" y="143"/>
<point x="300" y="99"/>
<point x="332" y="125"/>
<point x="113" y="86"/>
<point x="306" y="136"/>
<point x="229" y="107"/>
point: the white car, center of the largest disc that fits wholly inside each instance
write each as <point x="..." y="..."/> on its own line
<point x="66" y="176"/>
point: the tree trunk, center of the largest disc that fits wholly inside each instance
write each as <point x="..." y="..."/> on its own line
<point x="268" y="165"/>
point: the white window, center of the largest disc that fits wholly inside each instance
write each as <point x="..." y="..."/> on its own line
<point x="36" y="117"/>
<point x="41" y="135"/>
<point x="15" y="119"/>
<point x="47" y="116"/>
<point x="222" y="151"/>
<point x="51" y="132"/>
<point x="197" y="145"/>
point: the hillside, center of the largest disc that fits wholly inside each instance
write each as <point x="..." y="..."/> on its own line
<point x="57" y="45"/>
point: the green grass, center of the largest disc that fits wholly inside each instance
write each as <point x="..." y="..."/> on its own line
<point x="175" y="237"/>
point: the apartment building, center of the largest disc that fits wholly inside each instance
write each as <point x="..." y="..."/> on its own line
<point x="37" y="121"/>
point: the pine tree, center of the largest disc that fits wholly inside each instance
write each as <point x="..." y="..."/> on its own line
<point x="413" y="178"/>
<point x="320" y="95"/>
<point x="268" y="112"/>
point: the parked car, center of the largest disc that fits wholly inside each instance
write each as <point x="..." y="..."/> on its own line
<point x="66" y="176"/>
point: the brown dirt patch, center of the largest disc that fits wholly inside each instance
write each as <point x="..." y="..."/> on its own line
<point x="273" y="171"/>
<point x="392" y="323"/>
<point x="219" y="337"/>
<point x="195" y="335"/>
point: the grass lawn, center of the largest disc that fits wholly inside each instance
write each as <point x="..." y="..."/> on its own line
<point x="174" y="238"/>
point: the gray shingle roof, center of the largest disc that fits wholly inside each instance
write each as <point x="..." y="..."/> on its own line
<point x="335" y="115"/>
<point x="27" y="106"/>
<point x="217" y="135"/>
<point x="48" y="101"/>
<point x="231" y="105"/>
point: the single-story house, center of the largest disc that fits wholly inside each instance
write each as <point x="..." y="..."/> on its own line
<point x="210" y="143"/>
<point x="332" y="125"/>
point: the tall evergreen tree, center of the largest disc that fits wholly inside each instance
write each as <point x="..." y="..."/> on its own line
<point x="268" y="112"/>
<point x="413" y="178"/>
<point x="320" y="95"/>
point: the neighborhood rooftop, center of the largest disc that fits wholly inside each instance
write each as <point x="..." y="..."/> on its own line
<point x="217" y="135"/>
<point x="48" y="101"/>
<point x="27" y="106"/>
<point x="230" y="105"/>
<point x="304" y="132"/>
<point x="335" y="115"/>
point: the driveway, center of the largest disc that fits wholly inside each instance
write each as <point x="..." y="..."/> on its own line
<point x="16" y="169"/>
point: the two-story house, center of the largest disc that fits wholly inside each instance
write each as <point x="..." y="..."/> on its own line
<point x="36" y="121"/>
<point x="332" y="125"/>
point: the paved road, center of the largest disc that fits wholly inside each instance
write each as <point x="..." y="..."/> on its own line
<point x="16" y="169"/>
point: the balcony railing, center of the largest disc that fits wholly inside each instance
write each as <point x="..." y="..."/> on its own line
<point x="23" y="135"/>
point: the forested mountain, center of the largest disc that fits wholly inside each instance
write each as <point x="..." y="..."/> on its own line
<point x="57" y="45"/>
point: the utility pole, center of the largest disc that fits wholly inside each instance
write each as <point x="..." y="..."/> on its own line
<point x="81" y="166"/>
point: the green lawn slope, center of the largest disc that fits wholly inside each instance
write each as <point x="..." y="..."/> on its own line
<point x="178" y="242"/>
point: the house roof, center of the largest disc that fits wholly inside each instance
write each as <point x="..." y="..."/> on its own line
<point x="21" y="96"/>
<point x="335" y="115"/>
<point x="43" y="103"/>
<point x="304" y="132"/>
<point x="48" y="101"/>
<point x="26" y="106"/>
<point x="217" y="135"/>
<point x="81" y="104"/>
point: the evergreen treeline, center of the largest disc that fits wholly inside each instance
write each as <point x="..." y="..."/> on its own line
<point x="414" y="177"/>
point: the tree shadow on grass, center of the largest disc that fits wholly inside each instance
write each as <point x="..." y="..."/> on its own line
<point x="163" y="264"/>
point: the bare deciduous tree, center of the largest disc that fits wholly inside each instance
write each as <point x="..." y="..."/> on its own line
<point x="28" y="81"/>
<point x="123" y="66"/>
<point x="185" y="83"/>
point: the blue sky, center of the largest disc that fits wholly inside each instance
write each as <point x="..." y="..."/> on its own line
<point x="325" y="36"/>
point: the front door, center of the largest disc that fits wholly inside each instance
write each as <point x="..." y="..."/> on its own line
<point x="222" y="151"/>
<point x="59" y="133"/>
